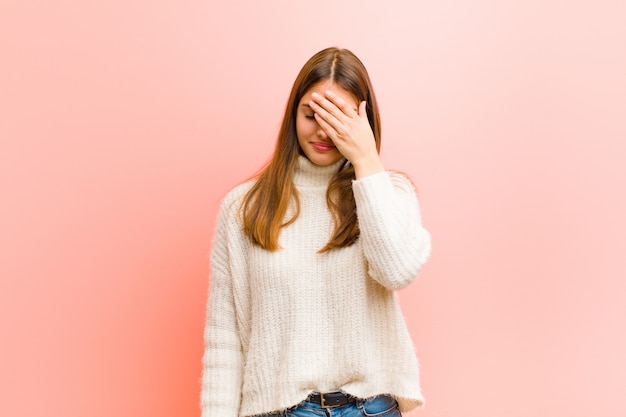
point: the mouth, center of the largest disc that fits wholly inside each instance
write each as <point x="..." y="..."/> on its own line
<point x="323" y="146"/>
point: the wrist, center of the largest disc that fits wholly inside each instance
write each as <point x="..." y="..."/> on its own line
<point x="365" y="167"/>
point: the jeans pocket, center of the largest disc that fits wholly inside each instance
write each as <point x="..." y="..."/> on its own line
<point x="303" y="410"/>
<point x="380" y="406"/>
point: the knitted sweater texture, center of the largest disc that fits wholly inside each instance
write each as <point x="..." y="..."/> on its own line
<point x="283" y="324"/>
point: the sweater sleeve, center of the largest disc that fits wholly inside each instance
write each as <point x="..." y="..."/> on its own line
<point x="394" y="243"/>
<point x="223" y="359"/>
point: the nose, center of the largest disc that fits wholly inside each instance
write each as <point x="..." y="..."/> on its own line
<point x="321" y="134"/>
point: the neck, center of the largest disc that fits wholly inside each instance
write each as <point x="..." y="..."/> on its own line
<point x="308" y="174"/>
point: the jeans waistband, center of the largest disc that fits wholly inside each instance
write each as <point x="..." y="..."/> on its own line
<point x="330" y="399"/>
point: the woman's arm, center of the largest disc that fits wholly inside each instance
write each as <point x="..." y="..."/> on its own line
<point x="394" y="242"/>
<point x="223" y="359"/>
<point x="393" y="239"/>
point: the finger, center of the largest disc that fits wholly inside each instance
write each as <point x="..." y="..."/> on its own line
<point x="343" y="105"/>
<point x="331" y="133"/>
<point x="329" y="106"/>
<point x="325" y="115"/>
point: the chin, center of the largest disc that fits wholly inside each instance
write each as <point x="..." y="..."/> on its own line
<point x="324" y="160"/>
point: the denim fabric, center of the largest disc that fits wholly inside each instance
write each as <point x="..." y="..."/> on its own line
<point x="379" y="406"/>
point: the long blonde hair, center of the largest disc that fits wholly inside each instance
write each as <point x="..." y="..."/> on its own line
<point x="265" y="205"/>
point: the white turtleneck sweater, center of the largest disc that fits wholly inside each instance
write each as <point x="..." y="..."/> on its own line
<point x="283" y="324"/>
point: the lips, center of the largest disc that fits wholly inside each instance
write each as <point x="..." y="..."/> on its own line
<point x="323" y="146"/>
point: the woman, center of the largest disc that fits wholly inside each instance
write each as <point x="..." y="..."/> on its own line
<point x="302" y="319"/>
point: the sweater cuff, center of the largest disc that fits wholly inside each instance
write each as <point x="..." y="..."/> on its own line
<point x="372" y="187"/>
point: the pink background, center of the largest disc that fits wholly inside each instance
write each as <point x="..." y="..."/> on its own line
<point x="123" y="123"/>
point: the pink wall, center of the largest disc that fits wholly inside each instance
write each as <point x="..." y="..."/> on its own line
<point x="122" y="123"/>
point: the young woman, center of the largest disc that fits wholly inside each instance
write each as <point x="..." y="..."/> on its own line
<point x="302" y="319"/>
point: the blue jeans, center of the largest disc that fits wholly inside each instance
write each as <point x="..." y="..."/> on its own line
<point x="379" y="406"/>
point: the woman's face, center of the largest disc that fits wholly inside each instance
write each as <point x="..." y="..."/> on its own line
<point x="313" y="141"/>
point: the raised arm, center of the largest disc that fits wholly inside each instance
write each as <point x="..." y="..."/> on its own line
<point x="394" y="242"/>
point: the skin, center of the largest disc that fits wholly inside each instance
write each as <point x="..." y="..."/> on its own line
<point x="331" y="125"/>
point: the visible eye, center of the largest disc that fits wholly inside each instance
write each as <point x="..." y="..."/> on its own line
<point x="310" y="117"/>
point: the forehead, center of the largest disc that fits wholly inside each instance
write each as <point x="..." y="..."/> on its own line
<point x="324" y="85"/>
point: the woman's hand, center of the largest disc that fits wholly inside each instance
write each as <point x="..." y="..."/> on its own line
<point x="350" y="131"/>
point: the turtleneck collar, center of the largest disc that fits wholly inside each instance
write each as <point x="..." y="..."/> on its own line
<point x="308" y="174"/>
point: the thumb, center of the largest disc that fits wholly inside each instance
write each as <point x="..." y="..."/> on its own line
<point x="362" y="109"/>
